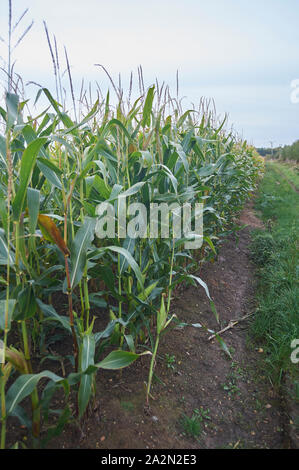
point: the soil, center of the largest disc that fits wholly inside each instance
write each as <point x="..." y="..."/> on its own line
<point x="237" y="404"/>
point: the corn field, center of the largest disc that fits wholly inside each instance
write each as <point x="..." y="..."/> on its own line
<point x="55" y="171"/>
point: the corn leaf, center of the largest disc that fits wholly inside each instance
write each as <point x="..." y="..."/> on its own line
<point x="27" y="164"/>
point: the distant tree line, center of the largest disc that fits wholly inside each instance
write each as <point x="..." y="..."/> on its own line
<point x="266" y="152"/>
<point x="291" y="152"/>
<point x="288" y="152"/>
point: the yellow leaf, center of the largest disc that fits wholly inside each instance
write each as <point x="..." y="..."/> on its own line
<point x="52" y="233"/>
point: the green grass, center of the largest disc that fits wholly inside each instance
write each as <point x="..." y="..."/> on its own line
<point x="127" y="405"/>
<point x="192" y="426"/>
<point x="231" y="385"/>
<point x="276" y="254"/>
<point x="290" y="171"/>
<point x="170" y="361"/>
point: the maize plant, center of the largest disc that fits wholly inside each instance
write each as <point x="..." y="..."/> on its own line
<point x="55" y="172"/>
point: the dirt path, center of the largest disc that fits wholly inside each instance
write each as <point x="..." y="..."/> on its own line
<point x="238" y="406"/>
<point x="293" y="186"/>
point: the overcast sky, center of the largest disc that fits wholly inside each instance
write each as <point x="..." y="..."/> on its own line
<point x="242" y="53"/>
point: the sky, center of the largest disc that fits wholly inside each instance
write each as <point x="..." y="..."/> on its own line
<point x="243" y="54"/>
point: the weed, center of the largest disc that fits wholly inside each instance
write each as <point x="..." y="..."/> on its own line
<point x="231" y="385"/>
<point x="127" y="405"/>
<point x="193" y="425"/>
<point x="170" y="361"/>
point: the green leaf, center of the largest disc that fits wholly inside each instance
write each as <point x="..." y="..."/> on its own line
<point x="129" y="245"/>
<point x="210" y="243"/>
<point x="106" y="274"/>
<point x="89" y="116"/>
<point x="133" y="189"/>
<point x="201" y="283"/>
<point x="117" y="360"/>
<point x="144" y="295"/>
<point x="204" y="285"/>
<point x="223" y="345"/>
<point x="33" y="198"/>
<point x="146" y="117"/>
<point x="26" y="306"/>
<point x="207" y="170"/>
<point x="56" y="430"/>
<point x="105" y="333"/>
<point x="116" y="122"/>
<point x="3" y="150"/>
<point x="4" y="250"/>
<point x="51" y="313"/>
<point x="27" y="164"/>
<point x="130" y="342"/>
<point x="21" y="414"/>
<point x="11" y="305"/>
<point x="24" y="386"/>
<point x="173" y="179"/>
<point x="99" y="184"/>
<point x="86" y="359"/>
<point x="114" y="361"/>
<point x="80" y="245"/>
<point x="184" y="116"/>
<point x="63" y="116"/>
<point x="48" y="171"/>
<point x="213" y="308"/>
<point x="12" y="103"/>
<point x="161" y="317"/>
<point x="129" y="259"/>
